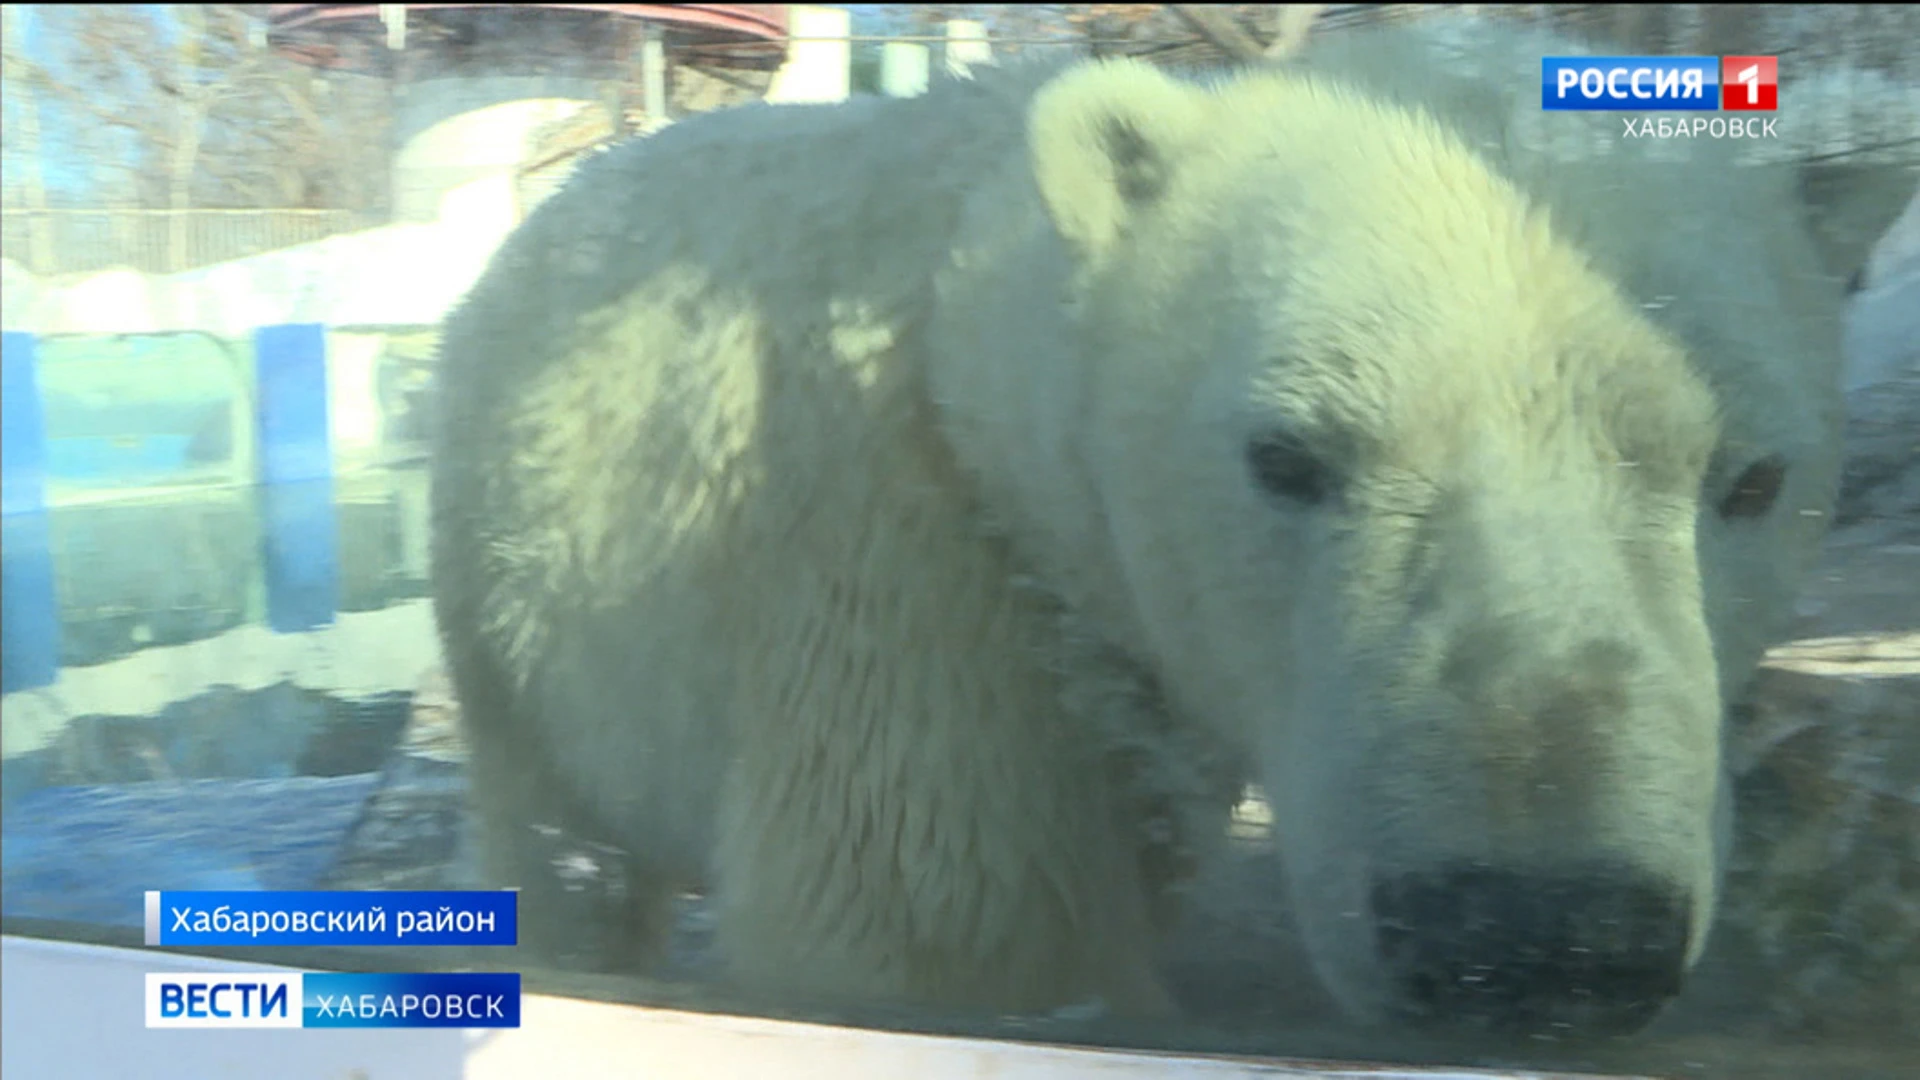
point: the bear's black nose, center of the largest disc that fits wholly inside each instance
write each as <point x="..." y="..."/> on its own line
<point x="1590" y="953"/>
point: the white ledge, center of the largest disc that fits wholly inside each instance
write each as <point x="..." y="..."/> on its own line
<point x="75" y="1011"/>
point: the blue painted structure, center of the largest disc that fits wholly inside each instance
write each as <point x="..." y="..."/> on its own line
<point x="299" y="522"/>
<point x="296" y="477"/>
<point x="29" y="609"/>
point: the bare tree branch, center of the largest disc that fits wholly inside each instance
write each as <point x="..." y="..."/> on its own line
<point x="1222" y="29"/>
<point x="1296" y="22"/>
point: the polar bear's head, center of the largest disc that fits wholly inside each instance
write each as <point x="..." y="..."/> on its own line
<point x="1398" y="488"/>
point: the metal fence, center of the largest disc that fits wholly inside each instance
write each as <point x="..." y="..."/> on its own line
<point x="68" y="241"/>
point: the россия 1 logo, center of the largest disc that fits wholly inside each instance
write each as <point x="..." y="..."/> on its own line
<point x="1659" y="83"/>
<point x="1750" y="83"/>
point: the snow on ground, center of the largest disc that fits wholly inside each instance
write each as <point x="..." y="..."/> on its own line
<point x="361" y="655"/>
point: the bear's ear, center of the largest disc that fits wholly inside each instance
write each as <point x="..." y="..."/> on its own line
<point x="1105" y="140"/>
<point x="1857" y="212"/>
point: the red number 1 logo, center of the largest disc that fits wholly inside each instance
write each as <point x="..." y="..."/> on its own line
<point x="1749" y="83"/>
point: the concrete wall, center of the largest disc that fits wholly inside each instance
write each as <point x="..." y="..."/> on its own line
<point x="487" y="132"/>
<point x="966" y="46"/>
<point x="904" y="68"/>
<point x="189" y="547"/>
<point x="818" y="66"/>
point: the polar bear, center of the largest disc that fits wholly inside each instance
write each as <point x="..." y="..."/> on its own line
<point x="912" y="520"/>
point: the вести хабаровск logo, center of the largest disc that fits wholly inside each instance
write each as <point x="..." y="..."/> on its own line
<point x="288" y="999"/>
<point x="272" y="999"/>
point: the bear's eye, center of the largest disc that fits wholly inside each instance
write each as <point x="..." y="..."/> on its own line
<point x="1285" y="467"/>
<point x="1754" y="492"/>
